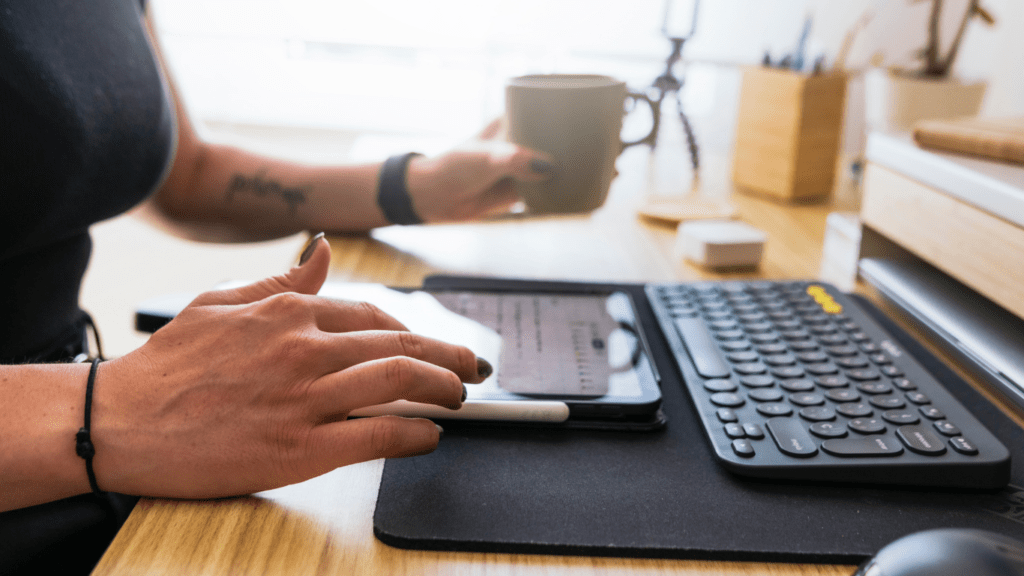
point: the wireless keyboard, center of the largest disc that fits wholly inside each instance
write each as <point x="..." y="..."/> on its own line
<point x="792" y="380"/>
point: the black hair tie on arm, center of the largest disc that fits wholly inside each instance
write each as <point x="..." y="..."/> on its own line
<point x="393" y="195"/>
<point x="83" y="441"/>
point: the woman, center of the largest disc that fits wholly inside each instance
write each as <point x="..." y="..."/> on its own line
<point x="247" y="389"/>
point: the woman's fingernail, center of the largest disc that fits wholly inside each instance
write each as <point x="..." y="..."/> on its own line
<point x="310" y="248"/>
<point x="483" y="367"/>
<point x="440" y="432"/>
<point x="541" y="166"/>
<point x="465" y="393"/>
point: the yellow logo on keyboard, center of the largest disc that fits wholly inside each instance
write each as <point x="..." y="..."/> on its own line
<point x="824" y="299"/>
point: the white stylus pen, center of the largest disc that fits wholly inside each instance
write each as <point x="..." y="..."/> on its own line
<point x="504" y="410"/>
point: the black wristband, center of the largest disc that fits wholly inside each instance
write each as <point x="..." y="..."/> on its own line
<point x="83" y="441"/>
<point x="392" y="194"/>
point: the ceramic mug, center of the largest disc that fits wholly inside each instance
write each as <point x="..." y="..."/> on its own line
<point x="577" y="119"/>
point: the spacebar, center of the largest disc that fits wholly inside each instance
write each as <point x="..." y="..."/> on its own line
<point x="702" y="348"/>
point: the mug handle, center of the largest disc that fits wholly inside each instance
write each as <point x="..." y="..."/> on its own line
<point x="655" y="120"/>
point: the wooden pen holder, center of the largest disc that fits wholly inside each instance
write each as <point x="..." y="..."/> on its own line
<point x="787" y="133"/>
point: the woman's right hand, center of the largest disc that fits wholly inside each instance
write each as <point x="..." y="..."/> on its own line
<point x="249" y="389"/>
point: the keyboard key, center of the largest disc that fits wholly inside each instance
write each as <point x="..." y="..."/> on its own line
<point x="921" y="440"/>
<point x="807" y="399"/>
<point x="720" y="386"/>
<point x="867" y="425"/>
<point x="931" y="412"/>
<point x="842" y="350"/>
<point x="891" y="371"/>
<point x="757" y="381"/>
<point x="765" y="395"/>
<point x="727" y="399"/>
<point x="900" y="417"/>
<point x="780" y="360"/>
<point x="704" y="354"/>
<point x="854" y="409"/>
<point x="863" y="375"/>
<point x="791" y="438"/>
<point x="886" y="402"/>
<point x="726" y="415"/>
<point x="812" y="357"/>
<point x="947" y="428"/>
<point x="904" y="384"/>
<point x="822" y="369"/>
<point x="801" y="385"/>
<point x="788" y="371"/>
<point x="734" y="430"/>
<point x="918" y="398"/>
<point x="753" y="430"/>
<point x="734" y="345"/>
<point x="743" y="356"/>
<point x="832" y="381"/>
<point x="774" y="409"/>
<point x="854" y="447"/>
<point x="743" y="448"/>
<point x="817" y="413"/>
<point x="803" y="345"/>
<point x="828" y="429"/>
<point x="842" y="395"/>
<point x="874" y="387"/>
<point x="963" y="446"/>
<point x="772" y="348"/>
<point x="750" y="368"/>
<point x="853" y="362"/>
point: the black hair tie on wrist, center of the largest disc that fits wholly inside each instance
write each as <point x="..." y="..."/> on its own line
<point x="83" y="441"/>
<point x="392" y="193"/>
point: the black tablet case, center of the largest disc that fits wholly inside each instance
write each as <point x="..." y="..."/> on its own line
<point x="661" y="494"/>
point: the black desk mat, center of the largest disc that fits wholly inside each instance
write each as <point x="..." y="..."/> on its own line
<point x="660" y="494"/>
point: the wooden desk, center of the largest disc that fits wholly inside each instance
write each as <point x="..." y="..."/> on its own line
<point x="324" y="525"/>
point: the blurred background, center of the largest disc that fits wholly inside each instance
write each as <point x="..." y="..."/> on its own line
<point x="384" y="75"/>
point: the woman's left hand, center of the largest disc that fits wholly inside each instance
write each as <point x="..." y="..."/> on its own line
<point x="475" y="179"/>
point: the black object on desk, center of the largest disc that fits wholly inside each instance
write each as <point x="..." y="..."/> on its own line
<point x="662" y="494"/>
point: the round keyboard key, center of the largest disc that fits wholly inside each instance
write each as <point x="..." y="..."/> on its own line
<point x="772" y="348"/>
<point x="774" y="409"/>
<point x="734" y="430"/>
<point x="723" y="324"/>
<point x="854" y="409"/>
<point x="803" y="345"/>
<point x="869" y="347"/>
<point x="832" y="381"/>
<point x="946" y="428"/>
<point x="918" y="398"/>
<point x="800" y="385"/>
<point x="828" y="429"/>
<point x="743" y="356"/>
<point x="891" y="371"/>
<point x="753" y="430"/>
<point x="730" y="334"/>
<point x="963" y="446"/>
<point x="887" y="402"/>
<point x="719" y="385"/>
<point x="812" y="357"/>
<point x="750" y="368"/>
<point x="900" y="417"/>
<point x="807" y="399"/>
<point x="757" y="381"/>
<point x="765" y="395"/>
<point x="859" y="337"/>
<point x="822" y="328"/>
<point x="867" y="425"/>
<point x="842" y="350"/>
<point x="797" y="334"/>
<point x="874" y="387"/>
<point x="743" y="448"/>
<point x="788" y="371"/>
<point x="780" y="359"/>
<point x="822" y="369"/>
<point x="726" y="415"/>
<point x="765" y="338"/>
<point x="880" y="358"/>
<point x="727" y="399"/>
<point x="817" y="413"/>
<point x="832" y="339"/>
<point x="863" y="375"/>
<point x="932" y="413"/>
<point x="717" y="315"/>
<point x="734" y="345"/>
<point x="759" y="327"/>
<point x="853" y="362"/>
<point x="788" y="323"/>
<point x="904" y="384"/>
<point x="842" y="395"/>
<point x="746" y="313"/>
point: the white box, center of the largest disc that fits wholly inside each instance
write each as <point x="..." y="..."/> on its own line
<point x="720" y="243"/>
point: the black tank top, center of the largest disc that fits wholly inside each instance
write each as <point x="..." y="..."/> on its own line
<point x="86" y="132"/>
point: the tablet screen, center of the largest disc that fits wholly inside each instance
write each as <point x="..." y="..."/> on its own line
<point x="556" y="344"/>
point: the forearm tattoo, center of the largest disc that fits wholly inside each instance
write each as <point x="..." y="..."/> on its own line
<point x="260" y="186"/>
